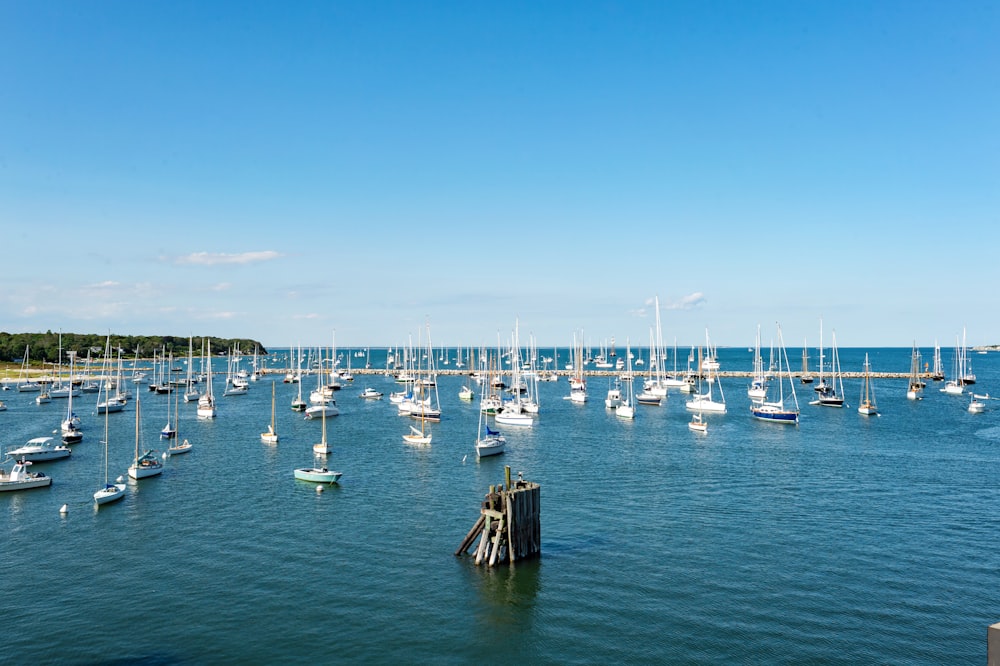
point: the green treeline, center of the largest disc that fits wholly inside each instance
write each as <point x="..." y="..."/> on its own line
<point x="44" y="347"/>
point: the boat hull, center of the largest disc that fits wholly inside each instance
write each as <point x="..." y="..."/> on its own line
<point x="521" y="420"/>
<point x="183" y="447"/>
<point x="317" y="475"/>
<point x="110" y="493"/>
<point x="707" y="406"/>
<point x="25" y="484"/>
<point x="489" y="450"/>
<point x="775" y="415"/>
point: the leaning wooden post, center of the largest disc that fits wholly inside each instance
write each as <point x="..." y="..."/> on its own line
<point x="509" y="524"/>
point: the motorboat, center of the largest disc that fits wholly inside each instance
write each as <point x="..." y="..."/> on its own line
<point x="40" y="450"/>
<point x="370" y="394"/>
<point x="19" y="478"/>
<point x="320" y="411"/>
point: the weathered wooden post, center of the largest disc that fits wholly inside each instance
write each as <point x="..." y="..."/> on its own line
<point x="509" y="525"/>
<point x="993" y="645"/>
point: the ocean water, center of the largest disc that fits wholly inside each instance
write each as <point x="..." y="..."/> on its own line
<point x="842" y="540"/>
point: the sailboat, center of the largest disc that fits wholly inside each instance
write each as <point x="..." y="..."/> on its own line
<point x="758" y="383"/>
<point x="105" y="401"/>
<point x="937" y="374"/>
<point x="806" y="377"/>
<point x="190" y="393"/>
<point x="418" y="435"/>
<point x="298" y="404"/>
<point x="513" y="412"/>
<point x="177" y="447"/>
<point x="110" y="491"/>
<point x="24" y="382"/>
<point x="530" y="403"/>
<point x="271" y="436"/>
<point x="626" y="408"/>
<point x="319" y="474"/>
<point x="323" y="447"/>
<point x="147" y="464"/>
<point x="963" y="370"/>
<point x="70" y="426"/>
<point x="832" y="394"/>
<point x="867" y="406"/>
<point x="915" y="385"/>
<point x="774" y="410"/>
<point x="577" y="384"/>
<point x="955" y="386"/>
<point x="206" y="403"/>
<point x="655" y="383"/>
<point x="491" y="443"/>
<point x="169" y="431"/>
<point x="705" y="402"/>
<point x="323" y="403"/>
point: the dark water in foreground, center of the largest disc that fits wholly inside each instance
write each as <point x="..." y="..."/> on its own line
<point x="843" y="540"/>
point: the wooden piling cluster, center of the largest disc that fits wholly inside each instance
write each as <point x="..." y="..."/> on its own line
<point x="509" y="526"/>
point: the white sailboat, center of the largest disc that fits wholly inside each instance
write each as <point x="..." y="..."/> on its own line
<point x="105" y="401"/>
<point x="512" y="412"/>
<point x="758" y="383"/>
<point x="190" y="392"/>
<point x="319" y="474"/>
<point x="298" y="404"/>
<point x="937" y="374"/>
<point x="706" y="402"/>
<point x="577" y="383"/>
<point x="323" y="446"/>
<point x="491" y="443"/>
<point x="963" y="373"/>
<point x="915" y="385"/>
<point x="626" y="407"/>
<point x="177" y="447"/>
<point x="70" y="426"/>
<point x="109" y="492"/>
<point x="271" y="436"/>
<point x="24" y="382"/>
<point x="206" y="403"/>
<point x="147" y="464"/>
<point x="170" y="431"/>
<point x="867" y="407"/>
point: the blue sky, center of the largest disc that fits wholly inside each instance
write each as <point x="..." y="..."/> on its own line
<point x="281" y="171"/>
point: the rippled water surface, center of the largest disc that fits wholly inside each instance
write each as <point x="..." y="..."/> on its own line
<point x="843" y="540"/>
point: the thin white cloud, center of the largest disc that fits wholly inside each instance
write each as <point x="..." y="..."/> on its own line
<point x="222" y="286"/>
<point x="311" y="315"/>
<point x="216" y="258"/>
<point x="687" y="302"/>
